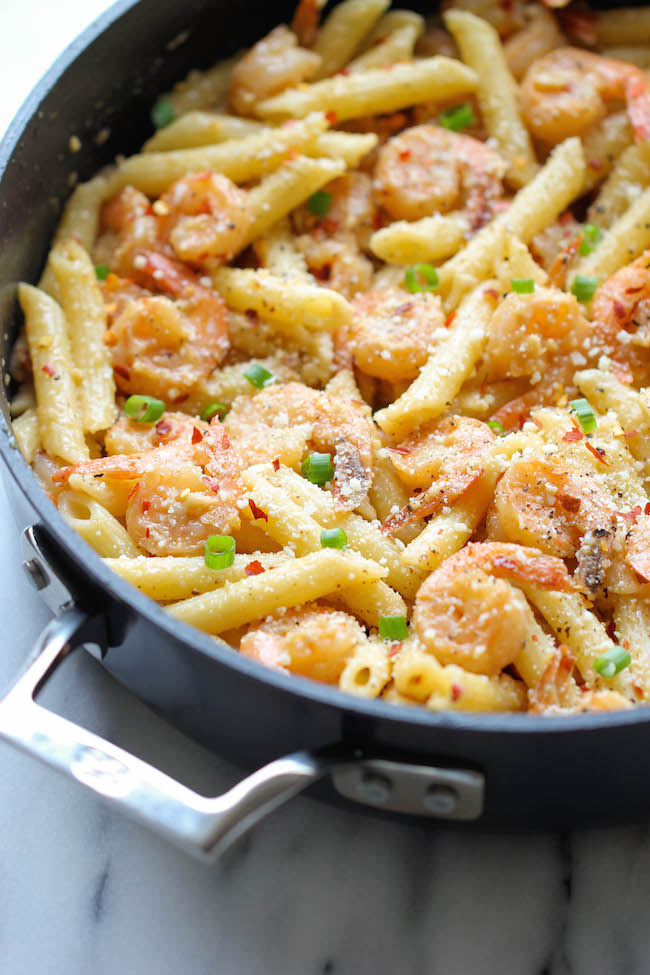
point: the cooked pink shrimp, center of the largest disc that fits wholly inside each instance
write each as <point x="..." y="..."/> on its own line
<point x="313" y="641"/>
<point x="637" y="547"/>
<point x="336" y="262"/>
<point x="273" y="64"/>
<point x="393" y="332"/>
<point x="287" y="422"/>
<point x="621" y="317"/>
<point x="130" y="437"/>
<point x="184" y="492"/>
<point x="505" y="16"/>
<point x="127" y="225"/>
<point x="467" y="613"/>
<point x="205" y="217"/>
<point x="351" y="210"/>
<point x="305" y="21"/>
<point x="428" y="169"/>
<point x="540" y="35"/>
<point x="567" y="92"/>
<point x="448" y="452"/>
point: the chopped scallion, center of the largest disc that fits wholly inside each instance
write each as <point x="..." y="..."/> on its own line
<point x="393" y="628"/>
<point x="612" y="662"/>
<point x="259" y="376"/>
<point x="523" y="286"/>
<point x="319" y="203"/>
<point x="458" y="118"/>
<point x="219" y="551"/>
<point x="102" y="271"/>
<point x="584" y="287"/>
<point x="497" y="428"/>
<point x="162" y="113"/>
<point x="421" y="277"/>
<point x="318" y="468"/>
<point x="591" y="235"/>
<point x="333" y="538"/>
<point x="212" y="410"/>
<point x="585" y="415"/>
<point x="144" y="409"/>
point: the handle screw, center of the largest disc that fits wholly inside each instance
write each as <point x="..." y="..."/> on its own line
<point x="374" y="789"/>
<point x="36" y="574"/>
<point x="441" y="800"/>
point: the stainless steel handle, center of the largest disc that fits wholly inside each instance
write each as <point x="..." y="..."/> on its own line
<point x="203" y="826"/>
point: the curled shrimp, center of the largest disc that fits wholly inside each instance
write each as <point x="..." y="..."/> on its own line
<point x="127" y="225"/>
<point x="448" y="452"/>
<point x="184" y="491"/>
<point x="567" y="92"/>
<point x="336" y="262"/>
<point x="273" y="64"/>
<point x="287" y="422"/>
<point x="130" y="437"/>
<point x="428" y="169"/>
<point x="351" y="210"/>
<point x="393" y="333"/>
<point x="540" y="35"/>
<point x="313" y="641"/>
<point x="468" y="613"/>
<point x="205" y="218"/>
<point x="505" y="17"/>
<point x="621" y="316"/>
<point x="637" y="547"/>
<point x="306" y="19"/>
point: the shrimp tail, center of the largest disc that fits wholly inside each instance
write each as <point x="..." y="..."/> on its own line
<point x="546" y="571"/>
<point x="160" y="273"/>
<point x="351" y="479"/>
<point x="637" y="97"/>
<point x="442" y="493"/>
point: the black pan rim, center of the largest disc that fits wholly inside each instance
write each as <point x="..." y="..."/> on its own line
<point x="194" y="640"/>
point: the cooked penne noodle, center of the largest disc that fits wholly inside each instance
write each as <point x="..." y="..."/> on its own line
<point x="367" y="671"/>
<point x="626" y="239"/>
<point x="627" y="180"/>
<point x="96" y="525"/>
<point x="429" y="239"/>
<point x="202" y="89"/>
<point x="27" y="433"/>
<point x="343" y="31"/>
<point x="601" y="145"/>
<point x="200" y="128"/>
<point x="632" y="619"/>
<point x="392" y="39"/>
<point x="627" y="25"/>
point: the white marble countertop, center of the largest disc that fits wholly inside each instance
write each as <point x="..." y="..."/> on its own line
<point x="313" y="889"/>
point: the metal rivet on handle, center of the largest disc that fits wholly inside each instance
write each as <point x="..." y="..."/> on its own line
<point x="440" y="800"/>
<point x="375" y="789"/>
<point x="36" y="574"/>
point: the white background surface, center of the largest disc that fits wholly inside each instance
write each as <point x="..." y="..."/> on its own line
<point x="314" y="890"/>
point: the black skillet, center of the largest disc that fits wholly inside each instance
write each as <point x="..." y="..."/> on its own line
<point x="503" y="770"/>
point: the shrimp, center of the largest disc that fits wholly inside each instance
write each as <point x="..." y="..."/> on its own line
<point x="273" y="64"/>
<point x="451" y="453"/>
<point x="621" y="315"/>
<point x="637" y="547"/>
<point x="205" y="218"/>
<point x="393" y="333"/>
<point x="428" y="169"/>
<point x="351" y="210"/>
<point x="566" y="93"/>
<point x="336" y="262"/>
<point x="506" y="16"/>
<point x="552" y="508"/>
<point x="286" y="422"/>
<point x="306" y="19"/>
<point x="540" y="35"/>
<point x="127" y="225"/>
<point x="313" y="641"/>
<point x="468" y="613"/>
<point x="185" y="490"/>
<point x="130" y="437"/>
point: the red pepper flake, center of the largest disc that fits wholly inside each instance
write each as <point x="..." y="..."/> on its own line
<point x="492" y="292"/>
<point x="331" y="117"/>
<point x="631" y="516"/>
<point x="49" y="370"/>
<point x="631" y="433"/>
<point x="456" y="691"/>
<point x="291" y="155"/>
<point x="252" y="316"/>
<point x="394" y="648"/>
<point x="595" y="164"/>
<point x="377" y="220"/>
<point x="405" y="155"/>
<point x="197" y="436"/>
<point x="276" y="464"/>
<point x="449" y="319"/>
<point x="147" y="533"/>
<point x="646" y="510"/>
<point x="522" y="419"/>
<point x="635" y="290"/>
<point x="331" y="226"/>
<point x="132" y="492"/>
<point x="211" y="482"/>
<point x="401" y="450"/>
<point x="573" y="436"/>
<point x="163" y="427"/>
<point x="538" y="423"/>
<point x="566" y="217"/>
<point x="257" y="512"/>
<point x="403" y="309"/>
<point x="598" y="452"/>
<point x="123" y="372"/>
<point x="569" y="503"/>
<point x="145" y="505"/>
<point x="619" y="308"/>
<point x="254" y="568"/>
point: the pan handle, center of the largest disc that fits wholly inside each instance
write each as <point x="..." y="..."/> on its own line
<point x="202" y="826"/>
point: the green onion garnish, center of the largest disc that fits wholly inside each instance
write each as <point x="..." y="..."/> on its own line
<point x="212" y="410"/>
<point x="458" y="118"/>
<point x="333" y="538"/>
<point x="102" y="271"/>
<point x="584" y="287"/>
<point x="162" y="113"/>
<point x="319" y="203"/>
<point x="497" y="428"/>
<point x="612" y="662"/>
<point x="144" y="409"/>
<point x="318" y="468"/>
<point x="259" y="376"/>
<point x="585" y="415"/>
<point x="393" y="628"/>
<point x="219" y="551"/>
<point x="523" y="286"/>
<point x="421" y="277"/>
<point x="591" y="235"/>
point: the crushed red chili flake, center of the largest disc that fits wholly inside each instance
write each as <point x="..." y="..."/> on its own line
<point x="276" y="464"/>
<point x="291" y="155"/>
<point x="211" y="482"/>
<point x="631" y="433"/>
<point x="145" y="505"/>
<point x="254" y="568"/>
<point x="569" y="503"/>
<point x="257" y="512"/>
<point x="630" y="516"/>
<point x="403" y="309"/>
<point x="132" y="491"/>
<point x="123" y="372"/>
<point x="646" y="510"/>
<point x="619" y="308"/>
<point x="573" y="436"/>
<point x="405" y="154"/>
<point x="49" y="370"/>
<point x="163" y="427"/>
<point x="197" y="436"/>
<point x="449" y="319"/>
<point x="252" y="316"/>
<point x="401" y="450"/>
<point x="538" y="423"/>
<point x="595" y="164"/>
<point x="331" y="117"/>
<point x="456" y="692"/>
<point x="598" y="452"/>
<point x="394" y="649"/>
<point x="492" y="292"/>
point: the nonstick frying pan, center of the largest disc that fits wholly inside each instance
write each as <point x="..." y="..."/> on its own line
<point x="497" y="770"/>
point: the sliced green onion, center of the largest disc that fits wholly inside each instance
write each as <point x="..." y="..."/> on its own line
<point x="458" y="118"/>
<point x="102" y="271"/>
<point x="144" y="409"/>
<point x="333" y="538"/>
<point x="585" y="415"/>
<point x="162" y="113"/>
<point x="584" y="287"/>
<point x="219" y="551"/>
<point x="612" y="662"/>
<point x="497" y="428"/>
<point x="318" y="468"/>
<point x="421" y="277"/>
<point x="319" y="203"/>
<point x="259" y="376"/>
<point x="591" y="235"/>
<point x="523" y="286"/>
<point x="393" y="628"/>
<point x="212" y="410"/>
